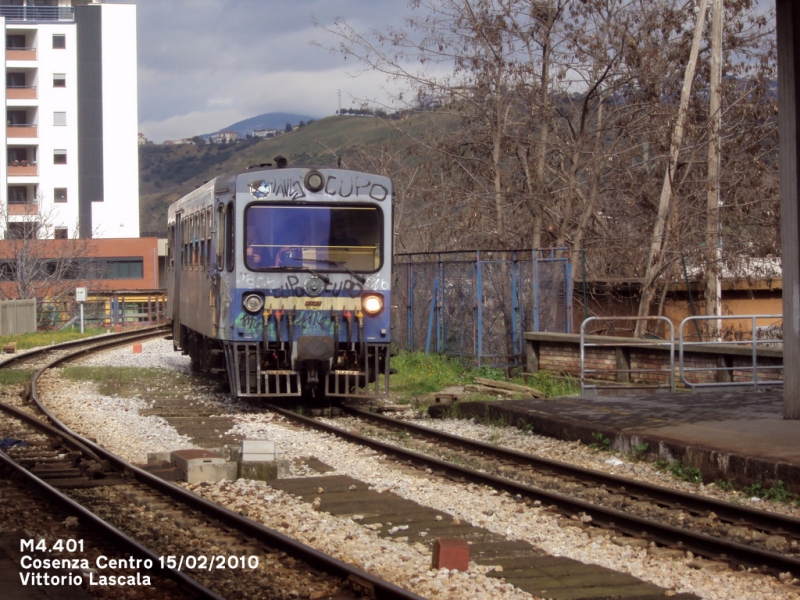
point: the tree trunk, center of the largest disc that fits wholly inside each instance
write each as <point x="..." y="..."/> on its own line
<point x="656" y="257"/>
<point x="713" y="243"/>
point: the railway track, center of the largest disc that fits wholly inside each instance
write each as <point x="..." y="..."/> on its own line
<point x="209" y="551"/>
<point x="671" y="519"/>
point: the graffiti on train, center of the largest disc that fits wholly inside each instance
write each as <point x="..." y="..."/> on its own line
<point x="335" y="185"/>
<point x="294" y="288"/>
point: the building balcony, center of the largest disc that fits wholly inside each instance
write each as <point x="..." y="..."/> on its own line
<point x="23" y="170"/>
<point x="22" y="209"/>
<point x="20" y="54"/>
<point x="22" y="131"/>
<point x="21" y="93"/>
<point x="37" y="13"/>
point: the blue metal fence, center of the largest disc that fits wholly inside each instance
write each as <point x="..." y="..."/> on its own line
<point x="476" y="305"/>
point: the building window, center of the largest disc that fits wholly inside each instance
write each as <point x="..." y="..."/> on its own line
<point x="59" y="41"/>
<point x="17" y="117"/>
<point x="59" y="118"/>
<point x="17" y="194"/>
<point x="124" y="269"/>
<point x="15" y="42"/>
<point x="15" y="80"/>
<point x="59" y="80"/>
<point x="22" y="231"/>
<point x="17" y="156"/>
<point x="59" y="157"/>
<point x="60" y="233"/>
<point x="60" y="195"/>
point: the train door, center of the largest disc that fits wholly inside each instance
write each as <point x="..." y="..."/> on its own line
<point x="215" y="299"/>
<point x="180" y="258"/>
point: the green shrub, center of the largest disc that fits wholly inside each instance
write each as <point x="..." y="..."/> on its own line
<point x="776" y="493"/>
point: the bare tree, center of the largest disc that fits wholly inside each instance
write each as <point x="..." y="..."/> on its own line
<point x="32" y="263"/>
<point x="553" y="122"/>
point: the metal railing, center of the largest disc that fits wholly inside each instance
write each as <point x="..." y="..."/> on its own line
<point x="729" y="370"/>
<point x="37" y="13"/>
<point x="591" y="389"/>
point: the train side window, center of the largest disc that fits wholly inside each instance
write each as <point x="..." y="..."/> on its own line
<point x="229" y="230"/>
<point x="170" y="259"/>
<point x="194" y="241"/>
<point x="209" y="230"/>
<point x="197" y="260"/>
<point x="184" y="245"/>
<point x="210" y="236"/>
<point x="201" y="239"/>
<point x="220" y="239"/>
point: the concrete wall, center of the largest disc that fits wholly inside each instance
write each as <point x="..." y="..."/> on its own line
<point x="560" y="354"/>
<point x="17" y="316"/>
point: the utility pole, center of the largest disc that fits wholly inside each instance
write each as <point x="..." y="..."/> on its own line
<point x="713" y="292"/>
<point x="655" y="259"/>
<point x="339" y="111"/>
<point x="788" y="22"/>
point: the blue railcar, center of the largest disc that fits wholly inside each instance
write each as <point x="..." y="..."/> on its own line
<point x="281" y="278"/>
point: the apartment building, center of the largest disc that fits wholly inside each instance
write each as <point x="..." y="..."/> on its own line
<point x="71" y="131"/>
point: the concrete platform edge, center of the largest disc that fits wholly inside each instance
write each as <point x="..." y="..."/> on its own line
<point x="714" y="463"/>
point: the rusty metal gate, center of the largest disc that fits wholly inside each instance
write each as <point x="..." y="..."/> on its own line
<point x="476" y="305"/>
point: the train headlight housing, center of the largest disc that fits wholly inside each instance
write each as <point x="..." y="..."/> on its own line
<point x="372" y="303"/>
<point x="253" y="303"/>
<point x="314" y="181"/>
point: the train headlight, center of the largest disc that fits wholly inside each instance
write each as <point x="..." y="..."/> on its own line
<point x="314" y="181"/>
<point x="372" y="303"/>
<point x="253" y="303"/>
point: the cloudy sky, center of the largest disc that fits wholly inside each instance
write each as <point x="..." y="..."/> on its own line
<point x="205" y="64"/>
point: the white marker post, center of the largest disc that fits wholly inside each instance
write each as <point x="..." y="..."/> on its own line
<point x="80" y="298"/>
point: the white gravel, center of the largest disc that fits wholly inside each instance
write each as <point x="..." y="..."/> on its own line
<point x="115" y="423"/>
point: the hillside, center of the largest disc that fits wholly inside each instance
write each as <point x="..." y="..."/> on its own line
<point x="168" y="172"/>
<point x="274" y="120"/>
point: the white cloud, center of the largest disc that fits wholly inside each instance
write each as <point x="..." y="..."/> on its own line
<point x="205" y="64"/>
<point x="301" y="92"/>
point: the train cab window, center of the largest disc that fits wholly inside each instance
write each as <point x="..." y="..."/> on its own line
<point x="331" y="238"/>
<point x="229" y="239"/>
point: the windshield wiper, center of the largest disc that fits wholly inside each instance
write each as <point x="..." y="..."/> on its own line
<point x="323" y="277"/>
<point x="359" y="276"/>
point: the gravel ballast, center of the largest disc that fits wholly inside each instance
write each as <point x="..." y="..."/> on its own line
<point x="115" y="423"/>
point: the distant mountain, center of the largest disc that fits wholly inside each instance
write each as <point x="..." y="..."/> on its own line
<point x="275" y="120"/>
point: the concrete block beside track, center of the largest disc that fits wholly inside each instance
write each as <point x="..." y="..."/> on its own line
<point x="257" y="451"/>
<point x="263" y="470"/>
<point x="201" y="465"/>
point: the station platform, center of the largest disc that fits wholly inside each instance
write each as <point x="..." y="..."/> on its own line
<point x="737" y="435"/>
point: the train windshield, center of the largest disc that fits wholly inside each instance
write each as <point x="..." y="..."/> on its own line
<point x="323" y="238"/>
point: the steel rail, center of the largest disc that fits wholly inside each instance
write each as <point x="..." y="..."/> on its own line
<point x="665" y="535"/>
<point x="50" y="430"/>
<point x="659" y="494"/>
<point x="383" y="590"/>
<point x="121" y="337"/>
<point x="88" y="518"/>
